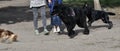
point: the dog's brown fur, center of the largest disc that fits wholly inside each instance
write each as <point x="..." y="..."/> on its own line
<point x="6" y="35"/>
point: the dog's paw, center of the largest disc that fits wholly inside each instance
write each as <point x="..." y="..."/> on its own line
<point x="110" y="25"/>
<point x="86" y="32"/>
<point x="72" y="36"/>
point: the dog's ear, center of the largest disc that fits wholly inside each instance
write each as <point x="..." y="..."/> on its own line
<point x="9" y="32"/>
<point x="1" y="30"/>
<point x="58" y="6"/>
<point x="85" y="4"/>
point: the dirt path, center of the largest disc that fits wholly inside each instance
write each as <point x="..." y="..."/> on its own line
<point x="19" y="21"/>
<point x="14" y="3"/>
<point x="100" y="39"/>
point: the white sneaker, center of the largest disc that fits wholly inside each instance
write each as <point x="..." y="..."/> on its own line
<point x="58" y="29"/>
<point x="54" y="30"/>
<point x="46" y="31"/>
<point x="36" y="32"/>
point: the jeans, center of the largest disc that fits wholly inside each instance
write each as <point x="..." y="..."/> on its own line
<point x="56" y="21"/>
<point x="36" y="11"/>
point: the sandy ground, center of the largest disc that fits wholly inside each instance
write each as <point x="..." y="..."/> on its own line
<point x="19" y="20"/>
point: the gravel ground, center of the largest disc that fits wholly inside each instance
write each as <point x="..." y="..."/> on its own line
<point x="19" y="20"/>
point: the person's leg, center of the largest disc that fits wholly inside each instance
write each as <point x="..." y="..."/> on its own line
<point x="53" y="23"/>
<point x="56" y="21"/>
<point x="43" y="17"/>
<point x="35" y="19"/>
<point x="51" y="10"/>
<point x="59" y="23"/>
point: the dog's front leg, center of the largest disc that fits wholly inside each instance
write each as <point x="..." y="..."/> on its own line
<point x="71" y="32"/>
<point x="86" y="30"/>
<point x="4" y="39"/>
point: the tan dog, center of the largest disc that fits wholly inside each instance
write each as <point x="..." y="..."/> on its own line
<point x="7" y="36"/>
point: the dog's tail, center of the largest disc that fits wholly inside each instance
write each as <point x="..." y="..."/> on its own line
<point x="111" y="13"/>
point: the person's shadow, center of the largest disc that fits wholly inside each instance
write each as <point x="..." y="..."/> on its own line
<point x="49" y="28"/>
<point x="12" y="15"/>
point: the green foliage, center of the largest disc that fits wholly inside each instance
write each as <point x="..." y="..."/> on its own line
<point x="77" y="2"/>
<point x="110" y="3"/>
<point x="104" y="3"/>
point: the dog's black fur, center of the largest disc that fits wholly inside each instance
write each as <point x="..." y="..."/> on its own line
<point x="70" y="17"/>
<point x="94" y="15"/>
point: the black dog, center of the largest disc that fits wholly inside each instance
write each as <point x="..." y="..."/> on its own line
<point x="70" y="17"/>
<point x="94" y="15"/>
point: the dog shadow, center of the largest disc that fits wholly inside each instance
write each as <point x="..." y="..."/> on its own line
<point x="41" y="29"/>
<point x="99" y="26"/>
<point x="77" y="32"/>
<point x="80" y="31"/>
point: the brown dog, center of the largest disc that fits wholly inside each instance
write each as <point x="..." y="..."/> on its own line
<point x="7" y="36"/>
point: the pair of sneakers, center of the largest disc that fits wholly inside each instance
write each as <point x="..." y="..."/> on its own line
<point x="56" y="29"/>
<point x="44" y="32"/>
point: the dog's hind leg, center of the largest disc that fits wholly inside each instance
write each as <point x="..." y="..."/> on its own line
<point x="84" y="25"/>
<point x="105" y="19"/>
<point x="110" y="25"/>
<point x="91" y="19"/>
<point x="90" y="22"/>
